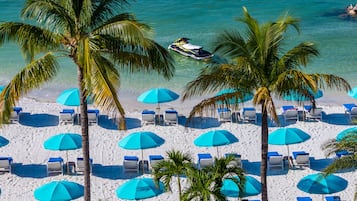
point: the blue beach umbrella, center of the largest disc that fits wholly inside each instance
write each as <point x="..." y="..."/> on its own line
<point x="139" y="188"/>
<point x="71" y="97"/>
<point x="346" y="132"/>
<point x="3" y="141"/>
<point x="1" y="88"/>
<point x="157" y="96"/>
<point x="294" y="96"/>
<point x="59" y="191"/>
<point x="251" y="187"/>
<point x="141" y="140"/>
<point x="245" y="98"/>
<point x="215" y="138"/>
<point x="321" y="184"/>
<point x="353" y="92"/>
<point x="286" y="136"/>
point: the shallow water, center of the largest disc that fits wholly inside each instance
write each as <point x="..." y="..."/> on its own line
<point x="202" y="21"/>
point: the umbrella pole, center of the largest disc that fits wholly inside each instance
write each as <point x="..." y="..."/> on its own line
<point x="217" y="152"/>
<point x="142" y="160"/>
<point x="67" y="165"/>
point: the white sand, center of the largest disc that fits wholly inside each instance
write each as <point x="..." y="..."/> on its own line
<point x="39" y="122"/>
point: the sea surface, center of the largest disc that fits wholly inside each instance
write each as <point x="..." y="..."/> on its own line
<point x="202" y="21"/>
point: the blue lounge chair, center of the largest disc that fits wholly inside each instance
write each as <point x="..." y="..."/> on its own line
<point x="5" y="164"/>
<point x="204" y="160"/>
<point x="224" y="115"/>
<point x="342" y="153"/>
<point x="237" y="159"/>
<point x="154" y="159"/>
<point x="131" y="164"/>
<point x="148" y="117"/>
<point x="54" y="165"/>
<point x="350" y="110"/>
<point x="303" y="199"/>
<point x="290" y="112"/>
<point x="93" y="116"/>
<point x="275" y="160"/>
<point x="333" y="198"/>
<point x="66" y="116"/>
<point x="301" y="158"/>
<point x="171" y="117"/>
<point x="80" y="165"/>
<point x="249" y="114"/>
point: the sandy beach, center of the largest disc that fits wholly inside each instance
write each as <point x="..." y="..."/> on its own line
<point x="39" y="121"/>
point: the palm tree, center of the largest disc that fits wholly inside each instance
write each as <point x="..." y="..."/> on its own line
<point x="176" y="165"/>
<point x="347" y="143"/>
<point x="96" y="37"/>
<point x="258" y="64"/>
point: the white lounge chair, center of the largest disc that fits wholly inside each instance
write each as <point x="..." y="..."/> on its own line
<point x="171" y="117"/>
<point x="224" y="115"/>
<point x="93" y="116"/>
<point x="66" y="116"/>
<point x="237" y="162"/>
<point x="204" y="160"/>
<point x="290" y="113"/>
<point x="5" y="164"/>
<point x="80" y="165"/>
<point x="154" y="159"/>
<point x="314" y="113"/>
<point x="275" y="160"/>
<point x="15" y="114"/>
<point x="249" y="114"/>
<point x="54" y="165"/>
<point x="351" y="110"/>
<point x="131" y="164"/>
<point x="301" y="158"/>
<point x="148" y="117"/>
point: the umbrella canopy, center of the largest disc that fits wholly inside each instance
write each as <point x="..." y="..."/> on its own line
<point x="294" y="96"/>
<point x="59" y="191"/>
<point x="320" y="184"/>
<point x="251" y="187"/>
<point x="353" y="92"/>
<point x="346" y="132"/>
<point x="139" y="188"/>
<point x="1" y="88"/>
<point x="3" y="141"/>
<point x="71" y="97"/>
<point x="158" y="95"/>
<point x="286" y="136"/>
<point x="245" y="98"/>
<point x="64" y="141"/>
<point x="215" y="138"/>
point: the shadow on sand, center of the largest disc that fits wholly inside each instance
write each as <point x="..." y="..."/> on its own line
<point x="38" y="120"/>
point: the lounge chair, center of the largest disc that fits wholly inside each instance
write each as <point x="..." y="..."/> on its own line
<point x="249" y="114"/>
<point x="343" y="153"/>
<point x="154" y="159"/>
<point x="303" y="199"/>
<point x="148" y="117"/>
<point x="54" y="165"/>
<point x="333" y="198"/>
<point x="290" y="113"/>
<point x="93" y="116"/>
<point x="80" y="165"/>
<point x="66" y="116"/>
<point x="237" y="162"/>
<point x="204" y="160"/>
<point x="171" y="117"/>
<point x="350" y="110"/>
<point x="5" y="164"/>
<point x="314" y="113"/>
<point x="15" y="114"/>
<point x="131" y="164"/>
<point x="275" y="160"/>
<point x="224" y="115"/>
<point x="301" y="158"/>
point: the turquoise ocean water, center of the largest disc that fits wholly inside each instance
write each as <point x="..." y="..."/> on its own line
<point x="201" y="21"/>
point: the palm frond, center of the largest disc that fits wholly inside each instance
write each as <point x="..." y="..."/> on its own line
<point x="32" y="76"/>
<point x="105" y="9"/>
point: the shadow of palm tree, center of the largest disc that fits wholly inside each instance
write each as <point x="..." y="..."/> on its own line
<point x="38" y="120"/>
<point x="112" y="172"/>
<point x="29" y="170"/>
<point x="320" y="164"/>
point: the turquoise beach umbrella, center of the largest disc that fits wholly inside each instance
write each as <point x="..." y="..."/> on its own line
<point x="59" y="191"/>
<point x="346" y="132"/>
<point x="139" y="188"/>
<point x="1" y="88"/>
<point x="215" y="138"/>
<point x="157" y="95"/>
<point x="3" y="141"/>
<point x="64" y="141"/>
<point x="286" y="136"/>
<point x="71" y="97"/>
<point x="294" y="96"/>
<point x="353" y="92"/>
<point x="245" y="98"/>
<point x="251" y="187"/>
<point x="321" y="184"/>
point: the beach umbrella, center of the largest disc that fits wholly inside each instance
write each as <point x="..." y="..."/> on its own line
<point x="353" y="92"/>
<point x="294" y="96"/>
<point x="1" y="88"/>
<point x="346" y="132"/>
<point x="251" y="187"/>
<point x="141" y="140"/>
<point x="64" y="142"/>
<point x="157" y="96"/>
<point x="215" y="138"/>
<point x="246" y="97"/>
<point x="139" y="188"/>
<point x="59" y="191"/>
<point x="287" y="136"/>
<point x="71" y="97"/>
<point x="3" y="141"/>
<point x="322" y="184"/>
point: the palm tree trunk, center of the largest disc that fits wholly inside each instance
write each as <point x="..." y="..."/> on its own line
<point x="264" y="149"/>
<point x="179" y="186"/>
<point x="85" y="134"/>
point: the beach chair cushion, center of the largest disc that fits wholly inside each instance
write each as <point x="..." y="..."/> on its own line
<point x="333" y="198"/>
<point x="303" y="199"/>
